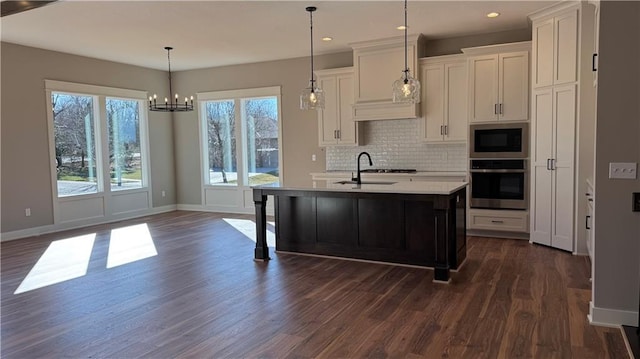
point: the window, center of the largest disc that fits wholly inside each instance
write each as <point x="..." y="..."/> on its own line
<point x="241" y="143"/>
<point x="221" y="140"/>
<point x="125" y="157"/>
<point x="75" y="143"/>
<point x="98" y="138"/>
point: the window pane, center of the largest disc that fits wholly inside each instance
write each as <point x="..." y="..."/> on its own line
<point x="222" y="142"/>
<point x="125" y="160"/>
<point x="261" y="123"/>
<point x="74" y="132"/>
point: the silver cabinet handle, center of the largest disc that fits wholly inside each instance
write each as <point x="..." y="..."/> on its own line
<point x="502" y="113"/>
<point x="495" y="109"/>
<point x="586" y="222"/>
<point x="495" y="221"/>
<point x="441" y="131"/>
<point x="549" y="164"/>
<point x="553" y="164"/>
<point x="338" y="131"/>
<point x="446" y="130"/>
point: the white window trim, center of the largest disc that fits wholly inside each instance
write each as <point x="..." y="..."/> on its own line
<point x="236" y="96"/>
<point x="100" y="93"/>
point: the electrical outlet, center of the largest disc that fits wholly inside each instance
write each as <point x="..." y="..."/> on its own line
<point x="313" y="157"/>
<point x="27" y="212"/>
<point x="164" y="193"/>
<point x="636" y="202"/>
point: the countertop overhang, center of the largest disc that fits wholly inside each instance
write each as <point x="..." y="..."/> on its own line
<point x="427" y="187"/>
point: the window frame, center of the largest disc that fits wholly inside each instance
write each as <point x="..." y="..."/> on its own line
<point x="101" y="135"/>
<point x="240" y="130"/>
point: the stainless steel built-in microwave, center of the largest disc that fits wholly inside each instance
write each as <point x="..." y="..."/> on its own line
<point x="502" y="140"/>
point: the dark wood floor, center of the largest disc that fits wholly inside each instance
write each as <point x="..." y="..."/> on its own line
<point x="204" y="296"/>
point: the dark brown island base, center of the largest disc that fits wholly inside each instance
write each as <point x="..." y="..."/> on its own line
<point x="415" y="223"/>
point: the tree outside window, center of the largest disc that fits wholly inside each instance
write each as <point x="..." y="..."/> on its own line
<point x="75" y="145"/>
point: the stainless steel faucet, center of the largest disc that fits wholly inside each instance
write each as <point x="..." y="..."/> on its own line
<point x="358" y="179"/>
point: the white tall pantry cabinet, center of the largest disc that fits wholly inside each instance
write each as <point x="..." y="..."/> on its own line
<point x="561" y="51"/>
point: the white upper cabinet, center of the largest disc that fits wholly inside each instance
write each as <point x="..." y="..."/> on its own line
<point x="377" y="65"/>
<point x="499" y="83"/>
<point x="555" y="48"/>
<point x="335" y="121"/>
<point x="444" y="98"/>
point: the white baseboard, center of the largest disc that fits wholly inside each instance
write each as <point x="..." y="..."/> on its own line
<point x="612" y="317"/>
<point x="52" y="228"/>
<point x="219" y="209"/>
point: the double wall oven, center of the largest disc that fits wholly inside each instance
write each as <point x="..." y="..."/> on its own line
<point x="498" y="166"/>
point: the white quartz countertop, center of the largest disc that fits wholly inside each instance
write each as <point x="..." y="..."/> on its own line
<point x="415" y="174"/>
<point x="402" y="187"/>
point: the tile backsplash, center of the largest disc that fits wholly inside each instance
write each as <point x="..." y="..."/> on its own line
<point x="395" y="144"/>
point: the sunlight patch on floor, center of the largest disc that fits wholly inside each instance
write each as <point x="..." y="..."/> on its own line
<point x="130" y="244"/>
<point x="248" y="228"/>
<point x="63" y="260"/>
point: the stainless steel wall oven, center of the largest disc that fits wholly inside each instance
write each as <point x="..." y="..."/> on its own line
<point x="499" y="184"/>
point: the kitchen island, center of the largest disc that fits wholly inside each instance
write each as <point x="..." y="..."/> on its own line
<point x="413" y="223"/>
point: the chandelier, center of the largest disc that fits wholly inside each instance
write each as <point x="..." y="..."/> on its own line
<point x="406" y="89"/>
<point x="171" y="103"/>
<point x="312" y="97"/>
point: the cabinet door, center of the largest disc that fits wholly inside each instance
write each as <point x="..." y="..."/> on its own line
<point x="327" y="116"/>
<point x="483" y="91"/>
<point x="542" y="53"/>
<point x="514" y="86"/>
<point x="348" y="133"/>
<point x="433" y="102"/>
<point x="378" y="69"/>
<point x="566" y="47"/>
<point x="455" y="120"/>
<point x="564" y="116"/>
<point x="541" y="155"/>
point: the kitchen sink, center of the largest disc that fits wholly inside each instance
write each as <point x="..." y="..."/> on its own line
<point x="364" y="182"/>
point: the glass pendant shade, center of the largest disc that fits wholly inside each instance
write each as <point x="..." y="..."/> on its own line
<point x="406" y="89"/>
<point x="312" y="98"/>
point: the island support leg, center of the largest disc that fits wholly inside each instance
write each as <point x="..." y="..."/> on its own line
<point x="441" y="268"/>
<point x="262" y="250"/>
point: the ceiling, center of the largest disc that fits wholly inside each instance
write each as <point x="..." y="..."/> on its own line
<point x="217" y="33"/>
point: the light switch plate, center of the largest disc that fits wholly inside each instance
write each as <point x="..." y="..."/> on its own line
<point x="623" y="170"/>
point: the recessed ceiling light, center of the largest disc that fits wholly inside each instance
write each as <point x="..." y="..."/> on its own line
<point x="493" y="14"/>
<point x="327" y="38"/>
<point x="402" y="27"/>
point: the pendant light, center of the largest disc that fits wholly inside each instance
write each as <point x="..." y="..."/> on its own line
<point x="406" y="89"/>
<point x="169" y="104"/>
<point x="312" y="97"/>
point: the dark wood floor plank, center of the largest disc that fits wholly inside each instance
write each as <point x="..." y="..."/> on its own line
<point x="204" y="296"/>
